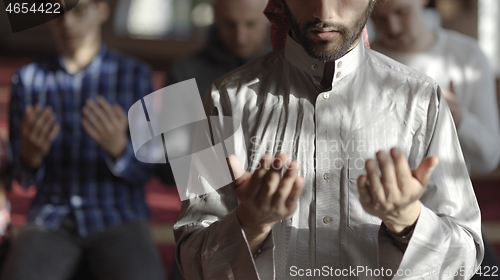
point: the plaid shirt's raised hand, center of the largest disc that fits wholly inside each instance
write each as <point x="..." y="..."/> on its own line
<point x="38" y="131"/>
<point x="107" y="125"/>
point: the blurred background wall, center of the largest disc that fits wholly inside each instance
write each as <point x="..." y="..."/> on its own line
<point x="157" y="31"/>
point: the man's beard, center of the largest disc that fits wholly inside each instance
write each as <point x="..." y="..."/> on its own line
<point x="348" y="35"/>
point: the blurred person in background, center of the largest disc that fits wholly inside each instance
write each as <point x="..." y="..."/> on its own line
<point x="240" y="34"/>
<point x="457" y="64"/>
<point x="461" y="69"/>
<point x="5" y="185"/>
<point x="69" y="134"/>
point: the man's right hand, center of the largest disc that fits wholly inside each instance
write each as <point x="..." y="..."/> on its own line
<point x="265" y="196"/>
<point x="38" y="131"/>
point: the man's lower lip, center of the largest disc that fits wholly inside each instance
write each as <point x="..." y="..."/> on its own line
<point x="325" y="36"/>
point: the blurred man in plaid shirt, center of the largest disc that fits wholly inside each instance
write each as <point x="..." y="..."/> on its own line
<point x="69" y="134"/>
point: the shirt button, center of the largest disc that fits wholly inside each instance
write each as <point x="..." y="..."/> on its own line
<point x="339" y="74"/>
<point x="339" y="64"/>
<point x="326" y="95"/>
<point x="326" y="176"/>
<point x="327" y="219"/>
<point x="76" y="201"/>
<point x="314" y="67"/>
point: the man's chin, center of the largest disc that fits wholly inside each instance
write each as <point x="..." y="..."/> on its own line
<point x="325" y="46"/>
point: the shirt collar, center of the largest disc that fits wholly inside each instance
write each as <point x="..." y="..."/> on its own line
<point x="94" y="64"/>
<point x="297" y="56"/>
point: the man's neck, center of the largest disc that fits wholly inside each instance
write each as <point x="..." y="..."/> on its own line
<point x="327" y="80"/>
<point x="81" y="57"/>
<point x="329" y="70"/>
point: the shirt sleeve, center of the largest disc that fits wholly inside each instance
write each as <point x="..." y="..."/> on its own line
<point x="24" y="175"/>
<point x="446" y="242"/>
<point x="126" y="166"/>
<point x="211" y="243"/>
<point x="479" y="129"/>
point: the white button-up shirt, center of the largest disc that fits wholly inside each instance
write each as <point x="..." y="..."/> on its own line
<point x="374" y="104"/>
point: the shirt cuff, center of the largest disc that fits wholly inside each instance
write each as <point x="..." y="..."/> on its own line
<point x="225" y="253"/>
<point x="429" y="239"/>
<point x="28" y="176"/>
<point x="401" y="241"/>
<point x="118" y="166"/>
<point x="264" y="259"/>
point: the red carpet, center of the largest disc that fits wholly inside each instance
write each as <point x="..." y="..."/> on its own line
<point x="488" y="197"/>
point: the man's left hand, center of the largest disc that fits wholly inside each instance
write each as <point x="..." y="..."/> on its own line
<point x="394" y="195"/>
<point x="107" y="125"/>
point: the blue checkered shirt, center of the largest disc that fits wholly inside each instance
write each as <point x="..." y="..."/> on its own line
<point x="77" y="176"/>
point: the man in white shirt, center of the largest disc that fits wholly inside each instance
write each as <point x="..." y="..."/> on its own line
<point x="457" y="64"/>
<point x="331" y="104"/>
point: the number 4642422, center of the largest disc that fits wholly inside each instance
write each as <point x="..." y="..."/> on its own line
<point x="24" y="8"/>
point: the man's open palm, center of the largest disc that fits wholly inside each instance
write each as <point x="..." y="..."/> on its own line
<point x="394" y="195"/>
<point x="266" y="196"/>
